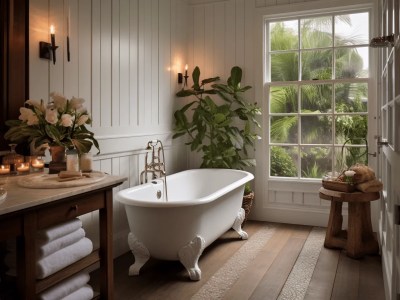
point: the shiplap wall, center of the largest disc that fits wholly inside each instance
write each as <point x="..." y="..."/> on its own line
<point x="224" y="33"/>
<point x="125" y="56"/>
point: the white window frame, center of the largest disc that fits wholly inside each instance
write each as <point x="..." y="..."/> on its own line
<point x="267" y="84"/>
<point x="302" y="204"/>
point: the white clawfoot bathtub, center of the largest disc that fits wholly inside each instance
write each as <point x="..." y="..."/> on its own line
<point x="202" y="205"/>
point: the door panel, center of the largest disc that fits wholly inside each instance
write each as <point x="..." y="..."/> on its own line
<point x="389" y="156"/>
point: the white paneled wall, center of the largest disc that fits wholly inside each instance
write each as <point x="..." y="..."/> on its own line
<point x="125" y="56"/>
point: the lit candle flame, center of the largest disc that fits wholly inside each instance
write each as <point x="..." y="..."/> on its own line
<point x="52" y="31"/>
<point x="186" y="67"/>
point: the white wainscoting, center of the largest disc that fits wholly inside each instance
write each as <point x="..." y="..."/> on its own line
<point x="130" y="165"/>
<point x="125" y="56"/>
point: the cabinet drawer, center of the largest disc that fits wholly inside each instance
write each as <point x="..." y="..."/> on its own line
<point x="58" y="213"/>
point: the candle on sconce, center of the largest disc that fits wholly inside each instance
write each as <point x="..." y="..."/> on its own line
<point x="68" y="21"/>
<point x="68" y="33"/>
<point x="52" y="35"/>
<point x="186" y="75"/>
<point x="23" y="167"/>
<point x="4" y="169"/>
<point x="53" y="42"/>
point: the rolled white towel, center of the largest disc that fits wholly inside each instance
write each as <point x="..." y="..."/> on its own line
<point x="65" y="287"/>
<point x="63" y="258"/>
<point x="43" y="248"/>
<point x="47" y="248"/>
<point x="59" y="230"/>
<point x="84" y="293"/>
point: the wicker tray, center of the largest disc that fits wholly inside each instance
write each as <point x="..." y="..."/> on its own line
<point x="338" y="186"/>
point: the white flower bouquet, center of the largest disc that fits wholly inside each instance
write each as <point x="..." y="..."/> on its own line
<point x="61" y="122"/>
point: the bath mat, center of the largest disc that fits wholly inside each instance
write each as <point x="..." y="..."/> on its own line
<point x="224" y="278"/>
<point x="299" y="278"/>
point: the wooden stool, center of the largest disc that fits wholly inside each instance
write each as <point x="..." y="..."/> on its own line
<point x="359" y="239"/>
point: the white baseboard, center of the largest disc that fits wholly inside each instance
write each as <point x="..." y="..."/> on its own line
<point x="300" y="216"/>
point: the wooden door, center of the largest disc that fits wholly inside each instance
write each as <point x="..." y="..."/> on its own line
<point x="14" y="24"/>
<point x="389" y="147"/>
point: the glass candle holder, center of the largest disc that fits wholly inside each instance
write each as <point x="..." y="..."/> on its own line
<point x="4" y="169"/>
<point x="22" y="168"/>
<point x="3" y="187"/>
<point x="86" y="162"/>
<point x="72" y="160"/>
<point x="37" y="164"/>
<point x="12" y="159"/>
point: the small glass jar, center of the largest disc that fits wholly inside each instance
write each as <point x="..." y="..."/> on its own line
<point x="72" y="160"/>
<point x="86" y="162"/>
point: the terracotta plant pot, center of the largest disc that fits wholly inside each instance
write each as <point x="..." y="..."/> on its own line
<point x="57" y="153"/>
<point x="57" y="163"/>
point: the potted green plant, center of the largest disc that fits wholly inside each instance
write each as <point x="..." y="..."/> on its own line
<point x="222" y="130"/>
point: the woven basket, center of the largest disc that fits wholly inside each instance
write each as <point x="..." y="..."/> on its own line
<point x="338" y="186"/>
<point x="246" y="205"/>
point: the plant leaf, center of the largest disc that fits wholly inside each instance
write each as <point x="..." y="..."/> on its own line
<point x="185" y="93"/>
<point x="196" y="78"/>
<point x="209" y="80"/>
<point x="236" y="77"/>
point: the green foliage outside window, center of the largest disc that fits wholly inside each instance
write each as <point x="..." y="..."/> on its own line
<point x="321" y="110"/>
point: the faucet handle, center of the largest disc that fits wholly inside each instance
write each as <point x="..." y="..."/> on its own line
<point x="151" y="144"/>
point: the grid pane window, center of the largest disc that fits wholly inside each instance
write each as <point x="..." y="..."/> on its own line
<point x="316" y="32"/>
<point x="318" y="93"/>
<point x="316" y="98"/>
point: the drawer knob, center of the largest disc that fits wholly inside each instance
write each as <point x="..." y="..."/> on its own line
<point x="74" y="207"/>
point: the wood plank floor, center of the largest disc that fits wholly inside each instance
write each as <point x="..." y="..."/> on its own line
<point x="335" y="276"/>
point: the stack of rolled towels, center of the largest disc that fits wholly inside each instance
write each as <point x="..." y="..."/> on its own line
<point x="56" y="248"/>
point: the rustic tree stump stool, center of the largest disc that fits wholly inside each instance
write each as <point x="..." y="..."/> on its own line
<point x="359" y="239"/>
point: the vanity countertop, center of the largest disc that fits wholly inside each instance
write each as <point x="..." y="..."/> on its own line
<point x="19" y="197"/>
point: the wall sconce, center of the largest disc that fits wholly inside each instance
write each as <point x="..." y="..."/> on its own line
<point x="46" y="48"/>
<point x="382" y="41"/>
<point x="180" y="77"/>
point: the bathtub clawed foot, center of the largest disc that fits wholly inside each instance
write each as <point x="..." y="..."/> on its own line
<point x="237" y="225"/>
<point x="140" y="252"/>
<point x="189" y="257"/>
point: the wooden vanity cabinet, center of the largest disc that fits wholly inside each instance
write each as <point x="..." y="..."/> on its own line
<point x="24" y="223"/>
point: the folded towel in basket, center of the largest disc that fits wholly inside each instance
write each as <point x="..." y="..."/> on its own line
<point x="46" y="248"/>
<point x="65" y="287"/>
<point x="373" y="185"/>
<point x="59" y="230"/>
<point x="84" y="293"/>
<point x="63" y="258"/>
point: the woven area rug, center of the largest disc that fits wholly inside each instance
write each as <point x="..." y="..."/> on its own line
<point x="226" y="276"/>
